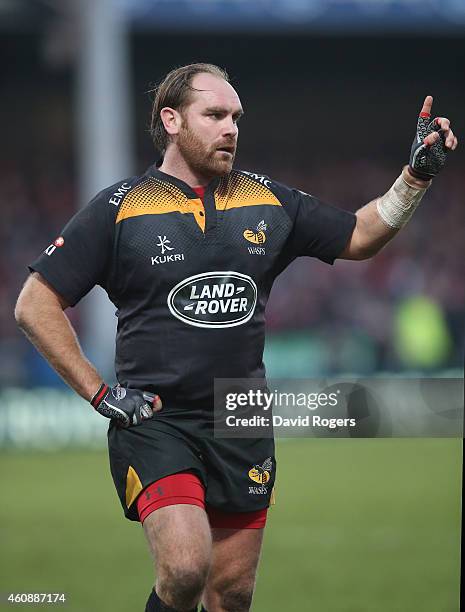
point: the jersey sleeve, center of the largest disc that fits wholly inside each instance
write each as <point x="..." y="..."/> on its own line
<point x="318" y="229"/>
<point x="80" y="257"/>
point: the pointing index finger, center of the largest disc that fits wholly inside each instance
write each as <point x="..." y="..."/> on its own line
<point x="426" y="109"/>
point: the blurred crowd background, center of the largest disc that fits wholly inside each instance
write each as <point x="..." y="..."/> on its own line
<point x="329" y="112"/>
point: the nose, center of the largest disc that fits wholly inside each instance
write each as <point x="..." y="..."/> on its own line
<point x="230" y="128"/>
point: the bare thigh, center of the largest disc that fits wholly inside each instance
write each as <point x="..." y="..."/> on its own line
<point x="231" y="581"/>
<point x="180" y="541"/>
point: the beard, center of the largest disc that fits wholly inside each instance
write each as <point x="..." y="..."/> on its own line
<point x="205" y="160"/>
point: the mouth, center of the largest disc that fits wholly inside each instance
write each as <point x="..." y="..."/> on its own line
<point x="227" y="149"/>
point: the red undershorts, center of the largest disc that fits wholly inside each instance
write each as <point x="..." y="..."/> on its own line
<point x="187" y="488"/>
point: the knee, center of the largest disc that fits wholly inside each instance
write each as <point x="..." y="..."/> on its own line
<point x="237" y="599"/>
<point x="181" y="584"/>
<point x="236" y="596"/>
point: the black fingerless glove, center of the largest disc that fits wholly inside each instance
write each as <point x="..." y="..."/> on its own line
<point x="126" y="406"/>
<point x="427" y="160"/>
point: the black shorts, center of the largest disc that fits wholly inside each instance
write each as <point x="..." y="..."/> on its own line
<point x="238" y="474"/>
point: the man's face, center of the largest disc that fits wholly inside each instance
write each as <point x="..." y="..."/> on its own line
<point x="208" y="135"/>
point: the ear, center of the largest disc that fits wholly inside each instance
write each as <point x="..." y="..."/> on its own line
<point x="171" y="120"/>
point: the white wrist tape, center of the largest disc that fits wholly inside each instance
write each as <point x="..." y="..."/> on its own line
<point x="397" y="205"/>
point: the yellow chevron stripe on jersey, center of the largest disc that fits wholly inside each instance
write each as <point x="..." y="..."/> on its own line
<point x="155" y="197"/>
<point x="133" y="486"/>
<point x="240" y="190"/>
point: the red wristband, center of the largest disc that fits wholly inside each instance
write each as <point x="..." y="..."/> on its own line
<point x="95" y="401"/>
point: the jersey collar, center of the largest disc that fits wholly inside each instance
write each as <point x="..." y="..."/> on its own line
<point x="184" y="187"/>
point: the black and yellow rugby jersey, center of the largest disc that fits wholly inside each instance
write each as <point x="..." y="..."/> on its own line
<point x="190" y="279"/>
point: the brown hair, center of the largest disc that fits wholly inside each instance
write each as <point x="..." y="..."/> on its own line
<point x="174" y="91"/>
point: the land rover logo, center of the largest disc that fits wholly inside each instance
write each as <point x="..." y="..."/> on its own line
<point x="214" y="299"/>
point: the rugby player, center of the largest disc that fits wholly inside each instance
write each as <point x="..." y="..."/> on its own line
<point x="188" y="252"/>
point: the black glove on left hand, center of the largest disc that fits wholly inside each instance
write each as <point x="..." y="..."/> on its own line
<point x="427" y="160"/>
